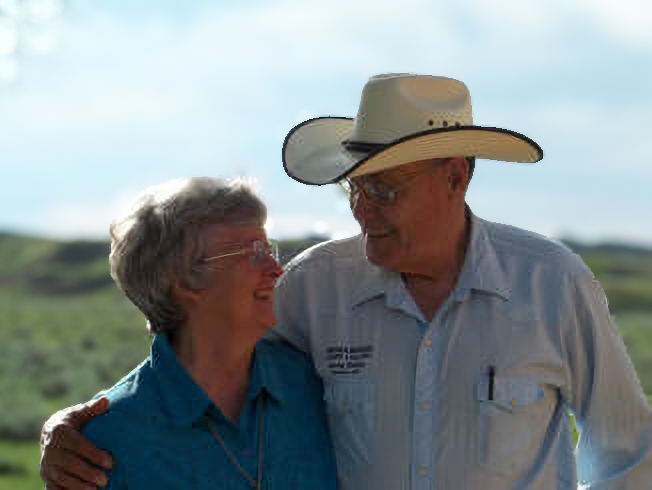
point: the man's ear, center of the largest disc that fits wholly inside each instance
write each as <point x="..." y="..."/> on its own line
<point x="458" y="175"/>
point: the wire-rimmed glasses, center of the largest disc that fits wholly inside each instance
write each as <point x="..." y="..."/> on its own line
<point x="378" y="192"/>
<point x="259" y="252"/>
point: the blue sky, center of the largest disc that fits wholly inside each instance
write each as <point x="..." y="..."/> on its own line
<point x="125" y="94"/>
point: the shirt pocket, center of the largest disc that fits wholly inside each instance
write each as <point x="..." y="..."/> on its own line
<point x="351" y="413"/>
<point x="511" y="424"/>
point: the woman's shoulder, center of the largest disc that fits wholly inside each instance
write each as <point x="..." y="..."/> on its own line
<point x="130" y="401"/>
<point x="289" y="362"/>
<point x="280" y="352"/>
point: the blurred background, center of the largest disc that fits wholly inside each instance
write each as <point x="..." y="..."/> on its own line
<point x="99" y="100"/>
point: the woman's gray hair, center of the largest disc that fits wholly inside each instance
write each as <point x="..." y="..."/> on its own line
<point x="158" y="243"/>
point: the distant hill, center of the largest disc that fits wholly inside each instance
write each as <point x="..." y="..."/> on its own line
<point x="67" y="331"/>
<point x="51" y="267"/>
<point x="625" y="272"/>
<point x="620" y="249"/>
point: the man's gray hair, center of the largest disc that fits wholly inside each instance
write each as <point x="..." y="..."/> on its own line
<point x="159" y="243"/>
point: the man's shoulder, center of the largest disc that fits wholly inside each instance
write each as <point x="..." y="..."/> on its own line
<point x="333" y="262"/>
<point x="517" y="244"/>
<point x="351" y="248"/>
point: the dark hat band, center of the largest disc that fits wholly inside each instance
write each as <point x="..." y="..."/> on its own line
<point x="362" y="147"/>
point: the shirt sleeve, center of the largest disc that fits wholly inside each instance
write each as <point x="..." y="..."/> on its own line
<point x="117" y="480"/>
<point x="100" y="435"/>
<point x="613" y="417"/>
<point x="290" y="309"/>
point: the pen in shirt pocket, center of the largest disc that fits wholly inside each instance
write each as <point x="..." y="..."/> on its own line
<point x="492" y="376"/>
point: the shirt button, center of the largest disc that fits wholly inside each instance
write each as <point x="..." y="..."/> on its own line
<point x="428" y="342"/>
<point x="425" y="406"/>
<point x="422" y="470"/>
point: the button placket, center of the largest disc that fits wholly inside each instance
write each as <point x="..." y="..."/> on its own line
<point x="423" y="416"/>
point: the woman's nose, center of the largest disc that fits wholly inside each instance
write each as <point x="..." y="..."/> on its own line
<point x="273" y="267"/>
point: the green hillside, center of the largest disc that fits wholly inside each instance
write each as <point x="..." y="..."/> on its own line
<point x="68" y="332"/>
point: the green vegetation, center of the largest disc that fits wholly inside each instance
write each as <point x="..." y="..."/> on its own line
<point x="624" y="272"/>
<point x="19" y="466"/>
<point x="67" y="332"/>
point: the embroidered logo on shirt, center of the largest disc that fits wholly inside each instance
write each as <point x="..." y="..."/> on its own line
<point x="348" y="359"/>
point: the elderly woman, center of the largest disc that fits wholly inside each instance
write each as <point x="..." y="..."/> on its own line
<point x="213" y="406"/>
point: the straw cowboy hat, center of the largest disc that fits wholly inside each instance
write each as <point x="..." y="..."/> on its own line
<point x="402" y="118"/>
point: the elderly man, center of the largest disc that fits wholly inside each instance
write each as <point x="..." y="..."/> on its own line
<point x="451" y="348"/>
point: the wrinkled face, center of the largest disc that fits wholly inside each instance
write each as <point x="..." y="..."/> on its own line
<point x="406" y="232"/>
<point x="240" y="277"/>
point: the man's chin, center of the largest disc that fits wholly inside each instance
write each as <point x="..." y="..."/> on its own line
<point x="379" y="255"/>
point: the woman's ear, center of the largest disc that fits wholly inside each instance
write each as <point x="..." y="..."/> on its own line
<point x="186" y="296"/>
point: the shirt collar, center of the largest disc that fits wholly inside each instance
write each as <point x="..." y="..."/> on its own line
<point x="184" y="401"/>
<point x="265" y="375"/>
<point x="375" y="282"/>
<point x="481" y="272"/>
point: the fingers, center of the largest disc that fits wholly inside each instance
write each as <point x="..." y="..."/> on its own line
<point x="78" y="415"/>
<point x="75" y="416"/>
<point x="69" y="460"/>
<point x="79" y="457"/>
<point x="86" y="411"/>
<point x="65" y="435"/>
<point x="62" y="467"/>
<point x="60" y="480"/>
<point x="76" y="444"/>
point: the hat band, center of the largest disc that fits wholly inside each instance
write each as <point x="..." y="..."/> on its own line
<point x="362" y="147"/>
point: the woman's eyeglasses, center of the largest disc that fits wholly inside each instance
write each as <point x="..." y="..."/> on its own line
<point x="259" y="251"/>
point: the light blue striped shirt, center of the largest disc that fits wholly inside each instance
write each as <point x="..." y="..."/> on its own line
<point x="477" y="398"/>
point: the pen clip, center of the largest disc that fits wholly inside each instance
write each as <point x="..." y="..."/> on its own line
<point x="492" y="376"/>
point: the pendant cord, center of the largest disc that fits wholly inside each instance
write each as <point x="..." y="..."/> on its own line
<point x="257" y="483"/>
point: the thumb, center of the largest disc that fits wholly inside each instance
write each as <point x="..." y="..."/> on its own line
<point x="88" y="410"/>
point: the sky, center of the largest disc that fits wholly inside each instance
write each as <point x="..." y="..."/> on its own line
<point x="101" y="99"/>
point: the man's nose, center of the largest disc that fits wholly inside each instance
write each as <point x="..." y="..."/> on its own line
<point x="364" y="208"/>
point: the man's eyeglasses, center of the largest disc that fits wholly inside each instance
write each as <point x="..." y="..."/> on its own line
<point x="259" y="252"/>
<point x="378" y="192"/>
<point x="381" y="192"/>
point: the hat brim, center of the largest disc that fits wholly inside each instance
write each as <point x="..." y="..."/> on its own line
<point x="314" y="153"/>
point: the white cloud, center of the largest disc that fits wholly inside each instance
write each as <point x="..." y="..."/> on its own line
<point x="216" y="93"/>
<point x="236" y="60"/>
<point x="625" y="21"/>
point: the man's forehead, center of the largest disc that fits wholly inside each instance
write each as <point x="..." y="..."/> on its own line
<point x="401" y="171"/>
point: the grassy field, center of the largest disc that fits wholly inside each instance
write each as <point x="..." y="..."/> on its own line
<point x="19" y="466"/>
<point x="67" y="332"/>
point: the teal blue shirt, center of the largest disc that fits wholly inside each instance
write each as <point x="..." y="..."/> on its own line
<point x="157" y="432"/>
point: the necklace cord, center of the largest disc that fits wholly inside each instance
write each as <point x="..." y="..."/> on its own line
<point x="257" y="483"/>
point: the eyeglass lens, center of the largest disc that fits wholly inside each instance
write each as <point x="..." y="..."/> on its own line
<point x="263" y="250"/>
